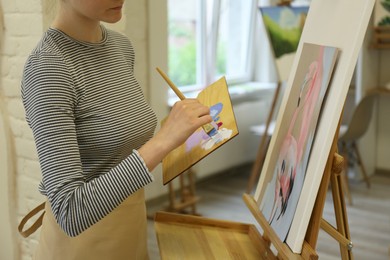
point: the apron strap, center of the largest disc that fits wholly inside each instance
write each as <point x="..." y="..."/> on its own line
<point x="37" y="223"/>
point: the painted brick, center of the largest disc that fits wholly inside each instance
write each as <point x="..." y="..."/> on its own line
<point x="26" y="131"/>
<point x="21" y="129"/>
<point x="11" y="87"/>
<point x="33" y="169"/>
<point x="21" y="6"/>
<point x="28" y="190"/>
<point x="15" y="108"/>
<point x="23" y="24"/>
<point x="19" y="46"/>
<point x="25" y="149"/>
<point x="16" y="127"/>
<point x="5" y="66"/>
<point x="10" y="47"/>
<point x="16" y="67"/>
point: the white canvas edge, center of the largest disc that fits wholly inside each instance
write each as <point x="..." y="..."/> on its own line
<point x="348" y="38"/>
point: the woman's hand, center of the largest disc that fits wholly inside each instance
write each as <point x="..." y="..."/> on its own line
<point x="185" y="117"/>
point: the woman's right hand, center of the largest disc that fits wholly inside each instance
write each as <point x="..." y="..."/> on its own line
<point x="185" y="117"/>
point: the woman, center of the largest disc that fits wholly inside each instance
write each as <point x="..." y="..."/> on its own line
<point x="94" y="135"/>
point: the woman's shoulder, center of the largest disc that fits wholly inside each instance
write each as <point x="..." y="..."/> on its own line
<point x="119" y="38"/>
<point x="46" y="50"/>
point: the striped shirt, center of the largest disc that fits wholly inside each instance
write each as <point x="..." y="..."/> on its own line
<point x="88" y="116"/>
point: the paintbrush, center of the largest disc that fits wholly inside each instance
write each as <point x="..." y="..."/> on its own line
<point x="208" y="128"/>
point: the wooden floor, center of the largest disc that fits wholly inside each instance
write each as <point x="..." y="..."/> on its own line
<point x="369" y="216"/>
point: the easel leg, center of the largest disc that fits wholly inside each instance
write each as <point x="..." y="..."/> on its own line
<point x="184" y="198"/>
<point x="314" y="224"/>
<point x="334" y="167"/>
<point x="360" y="162"/>
<point x="187" y="197"/>
<point x="341" y="214"/>
<point x="341" y="234"/>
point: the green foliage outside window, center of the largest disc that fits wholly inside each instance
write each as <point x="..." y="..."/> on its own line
<point x="182" y="64"/>
<point x="182" y="55"/>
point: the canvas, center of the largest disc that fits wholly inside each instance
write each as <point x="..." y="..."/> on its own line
<point x="199" y="144"/>
<point x="286" y="175"/>
<point x="284" y="25"/>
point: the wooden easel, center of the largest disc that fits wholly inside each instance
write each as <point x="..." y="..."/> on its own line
<point x="186" y="198"/>
<point x="183" y="235"/>
<point x="183" y="200"/>
<point x="332" y="175"/>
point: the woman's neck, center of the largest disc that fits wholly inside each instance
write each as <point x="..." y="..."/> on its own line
<point x="77" y="27"/>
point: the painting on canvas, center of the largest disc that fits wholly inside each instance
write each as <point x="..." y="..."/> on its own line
<point x="286" y="174"/>
<point x="382" y="13"/>
<point x="284" y="25"/>
<point x="200" y="144"/>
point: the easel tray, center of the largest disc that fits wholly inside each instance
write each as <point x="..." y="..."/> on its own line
<point x="192" y="237"/>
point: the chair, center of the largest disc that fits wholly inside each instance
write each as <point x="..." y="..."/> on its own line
<point x="351" y="133"/>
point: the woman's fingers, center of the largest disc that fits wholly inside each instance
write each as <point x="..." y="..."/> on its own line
<point x="185" y="117"/>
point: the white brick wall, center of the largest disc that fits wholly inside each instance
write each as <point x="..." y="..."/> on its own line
<point x="23" y="28"/>
<point x="23" y="22"/>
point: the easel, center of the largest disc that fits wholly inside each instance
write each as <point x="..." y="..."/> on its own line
<point x="332" y="175"/>
<point x="185" y="197"/>
<point x="189" y="232"/>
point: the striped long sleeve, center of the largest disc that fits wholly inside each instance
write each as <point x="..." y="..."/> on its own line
<point x="88" y="116"/>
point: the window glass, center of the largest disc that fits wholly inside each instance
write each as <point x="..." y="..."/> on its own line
<point x="209" y="39"/>
<point x="233" y="39"/>
<point x="182" y="41"/>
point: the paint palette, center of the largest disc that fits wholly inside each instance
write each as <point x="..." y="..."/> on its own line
<point x="200" y="144"/>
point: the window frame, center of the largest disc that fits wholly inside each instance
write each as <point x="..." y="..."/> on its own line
<point x="207" y="40"/>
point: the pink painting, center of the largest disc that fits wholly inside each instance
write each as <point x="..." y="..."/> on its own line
<point x="296" y="136"/>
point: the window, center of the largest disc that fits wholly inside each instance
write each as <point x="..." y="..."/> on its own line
<point x="209" y="39"/>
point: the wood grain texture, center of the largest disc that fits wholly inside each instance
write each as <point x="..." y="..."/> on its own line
<point x="191" y="237"/>
<point x="195" y="148"/>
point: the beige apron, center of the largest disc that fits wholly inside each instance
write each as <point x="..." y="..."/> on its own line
<point x="120" y="235"/>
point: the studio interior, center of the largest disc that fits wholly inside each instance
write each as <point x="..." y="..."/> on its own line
<point x="320" y="156"/>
